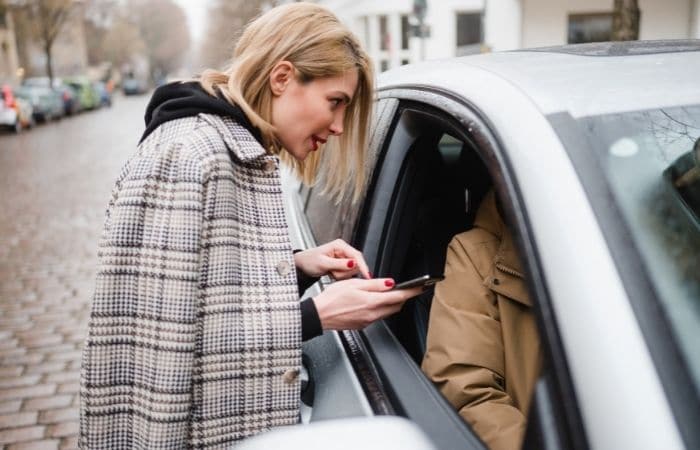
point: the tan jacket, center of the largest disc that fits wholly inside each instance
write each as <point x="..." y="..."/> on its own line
<point x="483" y="349"/>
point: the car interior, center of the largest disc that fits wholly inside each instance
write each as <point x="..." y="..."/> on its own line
<point x="441" y="185"/>
<point x="439" y="201"/>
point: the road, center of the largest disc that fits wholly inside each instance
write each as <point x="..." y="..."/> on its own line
<point x="55" y="182"/>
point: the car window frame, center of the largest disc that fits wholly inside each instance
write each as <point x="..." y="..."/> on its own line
<point x="564" y="418"/>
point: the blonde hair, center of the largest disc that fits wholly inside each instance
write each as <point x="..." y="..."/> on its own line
<point x="311" y="38"/>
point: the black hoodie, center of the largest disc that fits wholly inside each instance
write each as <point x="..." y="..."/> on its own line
<point x="177" y="100"/>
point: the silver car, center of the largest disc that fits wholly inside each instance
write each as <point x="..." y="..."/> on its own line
<point x="594" y="150"/>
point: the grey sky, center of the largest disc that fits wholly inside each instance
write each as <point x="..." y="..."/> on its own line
<point x="196" y="11"/>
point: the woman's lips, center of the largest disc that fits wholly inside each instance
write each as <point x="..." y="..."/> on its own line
<point x="315" y="141"/>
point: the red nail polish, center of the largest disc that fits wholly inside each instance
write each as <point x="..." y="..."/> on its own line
<point x="388" y="283"/>
<point x="351" y="264"/>
<point x="370" y="274"/>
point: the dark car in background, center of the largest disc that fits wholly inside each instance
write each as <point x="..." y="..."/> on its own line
<point x="68" y="95"/>
<point x="103" y="93"/>
<point x="47" y="103"/>
<point x="594" y="152"/>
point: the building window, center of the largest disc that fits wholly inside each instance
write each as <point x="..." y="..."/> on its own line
<point x="469" y="33"/>
<point x="405" y="61"/>
<point x="384" y="33"/>
<point x="595" y="27"/>
<point x="383" y="65"/>
<point x="405" y="32"/>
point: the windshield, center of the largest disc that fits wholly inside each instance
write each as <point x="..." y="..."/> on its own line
<point x="650" y="160"/>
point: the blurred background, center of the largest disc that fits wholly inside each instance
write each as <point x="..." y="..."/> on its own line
<point x="75" y="77"/>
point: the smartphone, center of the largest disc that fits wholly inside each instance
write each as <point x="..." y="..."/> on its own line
<point x="424" y="280"/>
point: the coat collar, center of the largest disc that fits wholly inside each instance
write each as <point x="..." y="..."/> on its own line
<point x="238" y="140"/>
<point x="507" y="276"/>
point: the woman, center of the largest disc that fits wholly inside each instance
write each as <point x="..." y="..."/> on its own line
<point x="196" y="329"/>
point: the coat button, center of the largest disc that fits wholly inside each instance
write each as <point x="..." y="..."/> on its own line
<point x="270" y="166"/>
<point x="290" y="376"/>
<point x="283" y="267"/>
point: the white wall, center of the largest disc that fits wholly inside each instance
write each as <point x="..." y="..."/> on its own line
<point x="545" y="22"/>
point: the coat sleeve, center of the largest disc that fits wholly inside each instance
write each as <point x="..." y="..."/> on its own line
<point x="137" y="372"/>
<point x="465" y="354"/>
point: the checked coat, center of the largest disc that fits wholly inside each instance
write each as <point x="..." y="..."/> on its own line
<point x="195" y="336"/>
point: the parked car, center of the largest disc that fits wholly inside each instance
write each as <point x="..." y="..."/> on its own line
<point x="133" y="86"/>
<point x="47" y="103"/>
<point x="15" y="114"/>
<point x="68" y="95"/>
<point x="103" y="93"/>
<point x="588" y="147"/>
<point x="87" y="96"/>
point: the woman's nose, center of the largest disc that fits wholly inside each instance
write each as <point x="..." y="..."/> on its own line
<point x="336" y="127"/>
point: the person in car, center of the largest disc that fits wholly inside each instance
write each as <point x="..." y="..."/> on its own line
<point x="482" y="347"/>
<point x="196" y="327"/>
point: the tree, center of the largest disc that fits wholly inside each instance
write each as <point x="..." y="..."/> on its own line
<point x="226" y="20"/>
<point x="162" y="25"/>
<point x="625" y="20"/>
<point x="47" y="20"/>
<point x="110" y="34"/>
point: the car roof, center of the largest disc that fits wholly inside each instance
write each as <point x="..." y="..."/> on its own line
<point x="583" y="80"/>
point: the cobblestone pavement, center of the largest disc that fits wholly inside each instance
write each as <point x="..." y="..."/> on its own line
<point x="55" y="182"/>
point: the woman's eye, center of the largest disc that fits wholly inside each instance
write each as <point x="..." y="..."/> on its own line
<point x="335" y="102"/>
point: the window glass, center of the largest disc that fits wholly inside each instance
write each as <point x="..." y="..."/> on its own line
<point x="590" y="28"/>
<point x="651" y="160"/>
<point x="469" y="33"/>
<point x="405" y="32"/>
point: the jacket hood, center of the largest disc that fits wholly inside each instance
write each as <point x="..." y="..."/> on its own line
<point x="184" y="99"/>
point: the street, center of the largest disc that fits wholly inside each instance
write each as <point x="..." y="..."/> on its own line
<point x="55" y="182"/>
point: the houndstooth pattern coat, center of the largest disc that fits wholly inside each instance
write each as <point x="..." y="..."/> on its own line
<point x="195" y="334"/>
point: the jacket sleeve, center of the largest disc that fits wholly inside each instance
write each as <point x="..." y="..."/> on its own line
<point x="137" y="372"/>
<point x="465" y="354"/>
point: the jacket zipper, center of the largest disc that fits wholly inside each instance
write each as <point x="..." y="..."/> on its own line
<point x="508" y="270"/>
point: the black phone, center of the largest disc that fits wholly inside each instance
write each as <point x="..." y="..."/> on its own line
<point x="424" y="280"/>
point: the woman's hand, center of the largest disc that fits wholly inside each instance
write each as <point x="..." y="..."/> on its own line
<point x="337" y="258"/>
<point x="355" y="303"/>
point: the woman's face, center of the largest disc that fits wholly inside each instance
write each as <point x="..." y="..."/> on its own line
<point x="305" y="114"/>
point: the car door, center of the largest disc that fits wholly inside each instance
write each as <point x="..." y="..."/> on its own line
<point x="436" y="164"/>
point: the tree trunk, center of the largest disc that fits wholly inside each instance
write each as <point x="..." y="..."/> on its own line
<point x="625" y="20"/>
<point x="49" y="63"/>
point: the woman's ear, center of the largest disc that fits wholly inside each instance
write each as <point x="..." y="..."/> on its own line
<point x="280" y="76"/>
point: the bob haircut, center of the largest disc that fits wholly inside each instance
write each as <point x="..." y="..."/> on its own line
<point x="311" y="38"/>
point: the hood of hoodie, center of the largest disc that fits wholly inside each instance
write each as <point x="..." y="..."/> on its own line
<point x="177" y="100"/>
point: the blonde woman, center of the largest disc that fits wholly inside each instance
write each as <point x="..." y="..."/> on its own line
<point x="196" y="327"/>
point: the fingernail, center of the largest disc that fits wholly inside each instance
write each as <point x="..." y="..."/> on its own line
<point x="370" y="274"/>
<point x="389" y="283"/>
<point x="351" y="264"/>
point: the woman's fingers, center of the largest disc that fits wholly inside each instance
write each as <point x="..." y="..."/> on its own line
<point x="341" y="268"/>
<point x="342" y="249"/>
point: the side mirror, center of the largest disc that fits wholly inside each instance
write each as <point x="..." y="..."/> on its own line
<point x="366" y="433"/>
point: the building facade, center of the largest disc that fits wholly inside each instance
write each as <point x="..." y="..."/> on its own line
<point x="388" y="29"/>
<point x="9" y="63"/>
